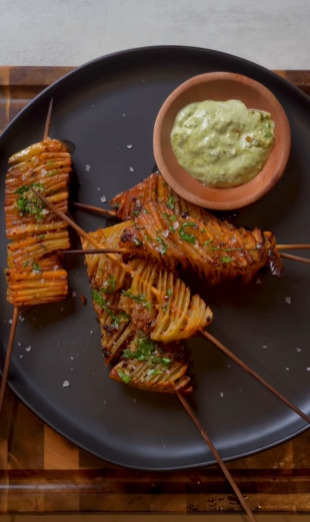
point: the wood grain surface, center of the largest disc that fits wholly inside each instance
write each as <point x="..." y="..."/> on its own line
<point x="41" y="472"/>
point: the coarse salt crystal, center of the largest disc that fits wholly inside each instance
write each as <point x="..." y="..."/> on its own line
<point x="10" y="321"/>
<point x="308" y="369"/>
<point x="165" y="233"/>
<point x="62" y="309"/>
<point x="98" y="188"/>
<point x="44" y="212"/>
<point x="43" y="172"/>
<point x="91" y="332"/>
<point x="287" y="369"/>
<point x="19" y="344"/>
<point x="129" y="146"/>
<point x="134" y="400"/>
<point x="65" y="384"/>
<point x="87" y="168"/>
<point x="288" y="300"/>
<point x="221" y="394"/>
<point x="124" y="114"/>
<point x="298" y="350"/>
<point x="55" y="267"/>
<point x="176" y="225"/>
<point x="74" y="294"/>
<point x="36" y="271"/>
<point x="28" y="348"/>
<point x="103" y="199"/>
<point x="265" y="346"/>
<point x="131" y="169"/>
<point x="21" y="356"/>
<point x="258" y="282"/>
<point x="72" y="358"/>
<point x="228" y="365"/>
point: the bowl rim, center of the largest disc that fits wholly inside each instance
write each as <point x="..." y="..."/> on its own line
<point x="236" y="201"/>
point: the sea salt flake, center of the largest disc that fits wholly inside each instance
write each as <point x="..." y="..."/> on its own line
<point x="65" y="384"/>
<point x="221" y="394"/>
<point x="72" y="358"/>
<point x="43" y="172"/>
<point x="87" y="168"/>
<point x="124" y="114"/>
<point x="129" y="146"/>
<point x="165" y="233"/>
<point x="287" y="369"/>
<point x="91" y="332"/>
<point x="103" y="199"/>
<point x="10" y="321"/>
<point x="134" y="400"/>
<point x="55" y="267"/>
<point x="28" y="348"/>
<point x="44" y="212"/>
<point x="176" y="225"/>
<point x="98" y="188"/>
<point x="74" y="294"/>
<point x="288" y="300"/>
<point x="258" y="282"/>
<point x="62" y="309"/>
<point x="131" y="169"/>
<point x="19" y="344"/>
<point x="21" y="356"/>
<point x="308" y="369"/>
<point x="298" y="350"/>
<point x="264" y="346"/>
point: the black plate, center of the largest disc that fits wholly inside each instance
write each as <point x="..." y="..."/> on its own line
<point x="102" y="107"/>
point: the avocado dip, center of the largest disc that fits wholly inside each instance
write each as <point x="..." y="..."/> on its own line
<point x="222" y="144"/>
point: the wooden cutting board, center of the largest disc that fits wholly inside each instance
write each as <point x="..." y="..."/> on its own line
<point x="40" y="471"/>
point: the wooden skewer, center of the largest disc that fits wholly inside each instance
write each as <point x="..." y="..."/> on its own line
<point x="216" y="455"/>
<point x="262" y="381"/>
<point x="293" y="247"/>
<point x="8" y="355"/>
<point x="210" y="337"/>
<point x="48" y="120"/>
<point x="96" y="210"/>
<point x="296" y="258"/>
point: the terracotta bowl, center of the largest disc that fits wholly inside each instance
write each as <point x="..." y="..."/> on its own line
<point x="221" y="86"/>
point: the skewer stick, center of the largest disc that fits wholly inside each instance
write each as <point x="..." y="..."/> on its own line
<point x="48" y="120"/>
<point x="96" y="210"/>
<point x="156" y="292"/>
<point x="296" y="258"/>
<point x="293" y="247"/>
<point x="262" y="381"/>
<point x="216" y="455"/>
<point x="8" y="356"/>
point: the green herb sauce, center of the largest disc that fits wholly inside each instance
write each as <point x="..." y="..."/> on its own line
<point x="222" y="144"/>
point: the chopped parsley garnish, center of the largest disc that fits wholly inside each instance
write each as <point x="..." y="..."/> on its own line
<point x="171" y="202"/>
<point x="168" y="221"/>
<point x="169" y="293"/>
<point x="110" y="285"/>
<point x="226" y="259"/>
<point x="146" y="211"/>
<point x="138" y="298"/>
<point x="207" y="242"/>
<point x="163" y="246"/>
<point x="116" y="206"/>
<point x="136" y="241"/>
<point x="123" y="376"/>
<point x="42" y="236"/>
<point x="102" y="303"/>
<point x="27" y="203"/>
<point x="36" y="267"/>
<point x="147" y="238"/>
<point x="166" y="361"/>
<point x="153" y="371"/>
<point x="202" y="231"/>
<point x="26" y="264"/>
<point x="136" y="212"/>
<point x="145" y="348"/>
<point x="190" y="238"/>
<point x="173" y="218"/>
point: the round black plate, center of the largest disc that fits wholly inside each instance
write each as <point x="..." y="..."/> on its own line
<point x="102" y="107"/>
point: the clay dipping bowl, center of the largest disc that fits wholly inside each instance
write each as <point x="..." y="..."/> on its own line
<point x="221" y="86"/>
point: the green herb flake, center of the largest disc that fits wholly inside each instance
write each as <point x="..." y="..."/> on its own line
<point x="226" y="259"/>
<point x="202" y="231"/>
<point x="146" y="211"/>
<point x="185" y="236"/>
<point x="163" y="246"/>
<point x="116" y="206"/>
<point x="138" y="298"/>
<point x="153" y="371"/>
<point x="207" y="242"/>
<point x="147" y="238"/>
<point x="26" y="264"/>
<point x="173" y="218"/>
<point x="169" y="293"/>
<point x="166" y="361"/>
<point x="171" y="202"/>
<point x="123" y="376"/>
<point x="102" y="303"/>
<point x="136" y="241"/>
<point x="36" y="267"/>
<point x="42" y="236"/>
<point x="109" y="288"/>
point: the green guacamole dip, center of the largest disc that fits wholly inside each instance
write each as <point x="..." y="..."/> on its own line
<point x="222" y="144"/>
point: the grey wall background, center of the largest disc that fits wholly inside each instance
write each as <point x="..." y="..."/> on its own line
<point x="273" y="33"/>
